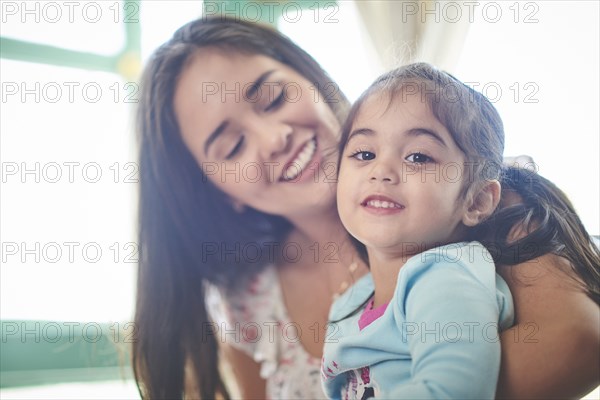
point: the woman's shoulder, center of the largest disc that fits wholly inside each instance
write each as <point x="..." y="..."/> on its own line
<point x="250" y="300"/>
<point x="549" y="279"/>
<point x="240" y="314"/>
<point x="546" y="272"/>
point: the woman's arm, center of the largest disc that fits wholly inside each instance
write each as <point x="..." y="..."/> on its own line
<point x="246" y="372"/>
<point x="553" y="350"/>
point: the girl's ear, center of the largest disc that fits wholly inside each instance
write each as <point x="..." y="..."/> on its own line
<point x="482" y="203"/>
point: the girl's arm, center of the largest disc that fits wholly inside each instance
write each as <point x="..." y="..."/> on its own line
<point x="450" y="325"/>
<point x="246" y="372"/>
<point x="553" y="350"/>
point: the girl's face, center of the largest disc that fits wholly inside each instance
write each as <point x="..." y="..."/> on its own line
<point x="259" y="130"/>
<point x="400" y="180"/>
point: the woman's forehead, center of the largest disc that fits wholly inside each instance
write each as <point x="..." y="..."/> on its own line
<point x="220" y="65"/>
<point x="216" y="77"/>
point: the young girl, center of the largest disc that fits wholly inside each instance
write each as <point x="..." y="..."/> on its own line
<point x="421" y="156"/>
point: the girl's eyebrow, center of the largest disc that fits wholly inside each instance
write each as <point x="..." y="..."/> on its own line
<point x="360" y="131"/>
<point x="411" y="132"/>
<point x="426" y="132"/>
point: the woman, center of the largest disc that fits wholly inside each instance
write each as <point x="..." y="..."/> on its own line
<point x="237" y="165"/>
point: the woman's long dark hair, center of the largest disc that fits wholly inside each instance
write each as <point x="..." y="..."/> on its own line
<point x="551" y="225"/>
<point x="187" y="229"/>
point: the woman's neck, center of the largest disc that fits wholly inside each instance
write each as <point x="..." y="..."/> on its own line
<point x="321" y="228"/>
<point x="327" y="250"/>
<point x="328" y="265"/>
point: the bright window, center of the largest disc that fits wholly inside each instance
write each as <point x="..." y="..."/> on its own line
<point x="539" y="63"/>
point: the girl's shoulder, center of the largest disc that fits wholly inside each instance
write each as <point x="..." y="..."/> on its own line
<point x="352" y="298"/>
<point x="465" y="252"/>
<point x="472" y="258"/>
<point x="465" y="261"/>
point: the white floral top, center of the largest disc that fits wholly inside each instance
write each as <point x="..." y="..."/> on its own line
<point x="255" y="321"/>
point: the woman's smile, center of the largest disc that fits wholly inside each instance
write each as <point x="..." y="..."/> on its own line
<point x="296" y="169"/>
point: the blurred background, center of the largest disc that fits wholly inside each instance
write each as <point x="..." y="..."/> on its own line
<point x="69" y="71"/>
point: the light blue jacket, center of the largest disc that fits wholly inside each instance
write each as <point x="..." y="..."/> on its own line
<point x="438" y="337"/>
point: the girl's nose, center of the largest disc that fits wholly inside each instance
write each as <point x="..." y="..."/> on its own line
<point x="383" y="171"/>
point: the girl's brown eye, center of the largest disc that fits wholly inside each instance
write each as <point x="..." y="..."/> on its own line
<point x="363" y="155"/>
<point x="418" y="158"/>
<point x="235" y="149"/>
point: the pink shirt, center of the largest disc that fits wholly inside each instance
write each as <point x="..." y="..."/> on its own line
<point x="369" y="314"/>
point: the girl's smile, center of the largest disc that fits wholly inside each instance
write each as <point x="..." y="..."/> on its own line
<point x="379" y="204"/>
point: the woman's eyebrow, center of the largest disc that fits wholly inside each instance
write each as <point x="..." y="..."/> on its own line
<point x="214" y="135"/>
<point x="251" y="92"/>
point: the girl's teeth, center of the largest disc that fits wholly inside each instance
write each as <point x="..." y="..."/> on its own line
<point x="296" y="167"/>
<point x="382" y="204"/>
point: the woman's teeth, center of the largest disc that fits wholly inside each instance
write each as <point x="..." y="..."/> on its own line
<point x="383" y="204"/>
<point x="299" y="163"/>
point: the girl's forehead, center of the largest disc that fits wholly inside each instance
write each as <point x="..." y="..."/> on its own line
<point x="385" y="100"/>
<point x="375" y="104"/>
<point x="399" y="112"/>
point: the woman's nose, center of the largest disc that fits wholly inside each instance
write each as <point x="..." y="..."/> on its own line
<point x="274" y="139"/>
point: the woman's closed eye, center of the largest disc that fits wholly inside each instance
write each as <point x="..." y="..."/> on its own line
<point x="277" y="101"/>
<point x="418" y="158"/>
<point x="236" y="148"/>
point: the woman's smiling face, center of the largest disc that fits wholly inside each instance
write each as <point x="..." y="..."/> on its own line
<point x="259" y="130"/>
